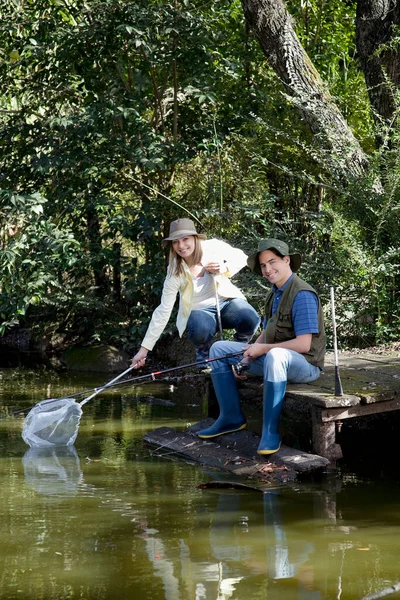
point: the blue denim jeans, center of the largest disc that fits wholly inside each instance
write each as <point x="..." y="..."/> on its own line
<point x="236" y="314"/>
<point x="278" y="365"/>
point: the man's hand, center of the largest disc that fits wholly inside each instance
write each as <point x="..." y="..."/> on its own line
<point x="300" y="344"/>
<point x="255" y="350"/>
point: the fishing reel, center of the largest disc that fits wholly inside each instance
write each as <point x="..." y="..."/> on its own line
<point x="240" y="367"/>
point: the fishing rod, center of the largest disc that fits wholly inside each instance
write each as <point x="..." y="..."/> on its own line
<point x="338" y="381"/>
<point x="152" y="189"/>
<point x="218" y="308"/>
<point x="131" y="380"/>
<point x="155" y="373"/>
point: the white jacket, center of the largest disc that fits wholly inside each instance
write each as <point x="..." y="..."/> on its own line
<point x="231" y="259"/>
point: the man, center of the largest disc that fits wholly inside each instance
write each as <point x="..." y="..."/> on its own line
<point x="290" y="348"/>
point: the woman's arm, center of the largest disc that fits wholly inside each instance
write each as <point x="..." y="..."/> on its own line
<point x="230" y="260"/>
<point x="159" y="319"/>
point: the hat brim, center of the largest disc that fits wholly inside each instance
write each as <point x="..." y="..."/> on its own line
<point x="253" y="262"/>
<point x="180" y="234"/>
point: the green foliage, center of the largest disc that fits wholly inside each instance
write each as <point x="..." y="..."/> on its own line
<point x="35" y="255"/>
<point x="117" y="117"/>
<point x="366" y="233"/>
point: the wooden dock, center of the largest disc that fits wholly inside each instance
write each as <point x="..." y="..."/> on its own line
<point x="235" y="453"/>
<point x="371" y="385"/>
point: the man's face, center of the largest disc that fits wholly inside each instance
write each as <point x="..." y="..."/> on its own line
<point x="274" y="268"/>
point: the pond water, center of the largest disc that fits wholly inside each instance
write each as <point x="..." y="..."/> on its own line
<point x="110" y="518"/>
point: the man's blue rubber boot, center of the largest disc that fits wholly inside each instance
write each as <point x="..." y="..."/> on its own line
<point x="231" y="417"/>
<point x="274" y="393"/>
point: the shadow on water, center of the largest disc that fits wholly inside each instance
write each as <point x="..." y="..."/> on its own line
<point x="107" y="519"/>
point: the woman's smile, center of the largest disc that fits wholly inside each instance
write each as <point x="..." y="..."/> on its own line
<point x="184" y="247"/>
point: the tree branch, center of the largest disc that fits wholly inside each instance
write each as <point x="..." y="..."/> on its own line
<point x="272" y="25"/>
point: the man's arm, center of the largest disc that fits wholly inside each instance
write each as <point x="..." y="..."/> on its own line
<point x="300" y="344"/>
<point x="305" y="317"/>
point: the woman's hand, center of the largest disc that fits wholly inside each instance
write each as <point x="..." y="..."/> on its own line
<point x="213" y="267"/>
<point x="140" y="358"/>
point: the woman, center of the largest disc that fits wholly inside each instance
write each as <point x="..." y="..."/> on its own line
<point x="199" y="270"/>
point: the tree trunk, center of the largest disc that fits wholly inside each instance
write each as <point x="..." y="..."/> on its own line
<point x="379" y="58"/>
<point x="116" y="271"/>
<point x="272" y="25"/>
<point x="95" y="247"/>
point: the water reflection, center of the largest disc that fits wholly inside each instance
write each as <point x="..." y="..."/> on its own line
<point x="287" y="558"/>
<point x="240" y="546"/>
<point x="264" y="547"/>
<point x="109" y="520"/>
<point x="138" y="531"/>
<point x="52" y="471"/>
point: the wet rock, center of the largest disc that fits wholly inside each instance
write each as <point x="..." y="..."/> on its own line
<point x="106" y="359"/>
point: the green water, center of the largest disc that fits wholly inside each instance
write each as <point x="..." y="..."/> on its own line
<point x="111" y="519"/>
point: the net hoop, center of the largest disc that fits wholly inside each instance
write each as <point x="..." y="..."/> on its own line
<point x="53" y="422"/>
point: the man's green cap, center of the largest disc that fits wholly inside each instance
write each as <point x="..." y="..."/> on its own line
<point x="273" y="244"/>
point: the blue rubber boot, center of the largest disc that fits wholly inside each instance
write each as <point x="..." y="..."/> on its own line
<point x="274" y="393"/>
<point x="231" y="417"/>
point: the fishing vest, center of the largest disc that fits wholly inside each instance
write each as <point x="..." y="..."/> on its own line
<point x="280" y="325"/>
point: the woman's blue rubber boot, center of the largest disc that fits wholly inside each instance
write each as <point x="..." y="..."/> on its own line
<point x="231" y="417"/>
<point x="274" y="393"/>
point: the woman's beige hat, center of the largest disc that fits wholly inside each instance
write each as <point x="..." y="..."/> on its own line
<point x="179" y="229"/>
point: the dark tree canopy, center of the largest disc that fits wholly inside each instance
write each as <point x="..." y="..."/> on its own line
<point x="257" y="118"/>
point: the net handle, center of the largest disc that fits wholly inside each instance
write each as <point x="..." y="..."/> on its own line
<point x="100" y="389"/>
<point x="153" y="375"/>
<point x="132" y="380"/>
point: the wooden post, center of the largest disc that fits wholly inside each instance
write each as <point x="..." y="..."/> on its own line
<point x="324" y="437"/>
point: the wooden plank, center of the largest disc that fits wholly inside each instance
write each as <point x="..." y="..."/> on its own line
<point x="170" y="443"/>
<point x="362" y="358"/>
<point x="314" y="396"/>
<point x="235" y="453"/>
<point x="361" y="410"/>
<point x="247" y="442"/>
<point x="359" y="382"/>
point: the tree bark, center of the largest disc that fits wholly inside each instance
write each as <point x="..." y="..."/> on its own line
<point x="116" y="271"/>
<point x="95" y="247"/>
<point x="380" y="62"/>
<point x="272" y="25"/>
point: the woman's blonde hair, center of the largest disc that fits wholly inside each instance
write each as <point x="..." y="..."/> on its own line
<point x="175" y="266"/>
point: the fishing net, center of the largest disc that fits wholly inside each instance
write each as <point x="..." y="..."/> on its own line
<point x="55" y="422"/>
<point x="52" y="423"/>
